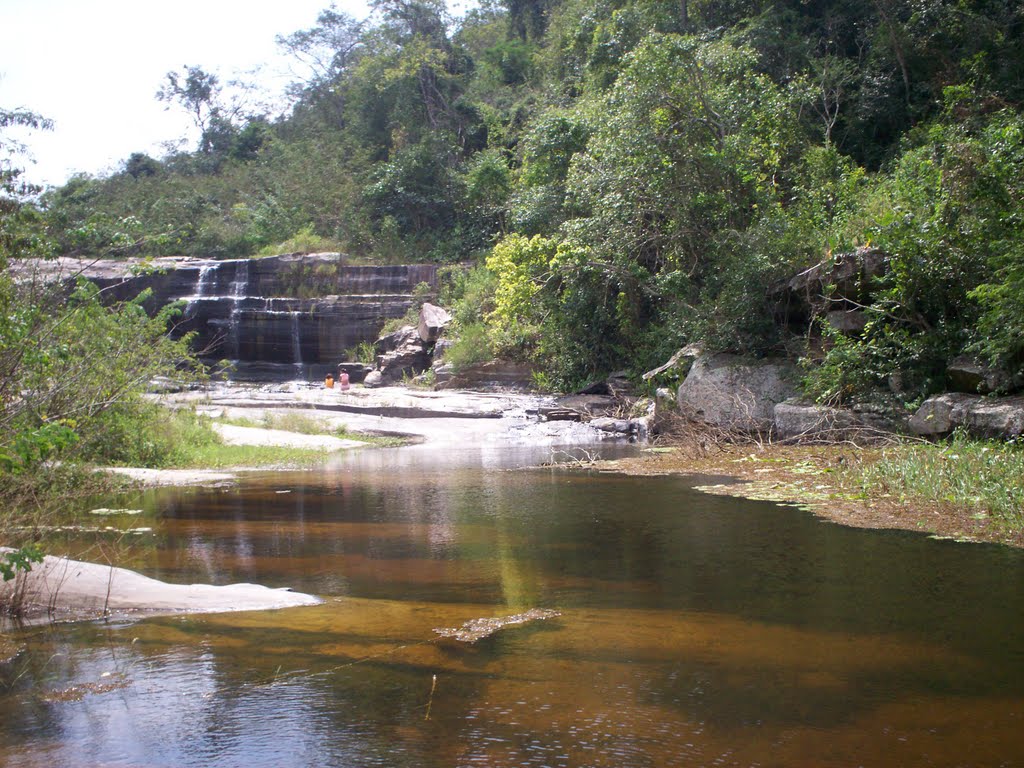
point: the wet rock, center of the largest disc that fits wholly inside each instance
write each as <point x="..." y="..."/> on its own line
<point x="616" y="385"/>
<point x="594" y="405"/>
<point x="615" y="426"/>
<point x="478" y="629"/>
<point x="557" y="413"/>
<point x="277" y="317"/>
<point x="735" y="393"/>
<point x="433" y="320"/>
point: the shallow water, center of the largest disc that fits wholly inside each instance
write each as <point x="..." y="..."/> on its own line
<point x="695" y="630"/>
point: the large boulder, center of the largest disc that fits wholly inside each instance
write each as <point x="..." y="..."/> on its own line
<point x="834" y="289"/>
<point x="797" y="421"/>
<point x="966" y="374"/>
<point x="801" y="421"/>
<point x="736" y="393"/>
<point x="433" y="320"/>
<point x="940" y="415"/>
<point x="1000" y="417"/>
<point x="844" y="276"/>
<point x="389" y="342"/>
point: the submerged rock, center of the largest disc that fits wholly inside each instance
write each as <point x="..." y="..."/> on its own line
<point x="478" y="629"/>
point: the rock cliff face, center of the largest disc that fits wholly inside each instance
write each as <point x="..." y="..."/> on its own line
<point x="289" y="316"/>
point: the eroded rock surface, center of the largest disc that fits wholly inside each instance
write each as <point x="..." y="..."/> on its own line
<point x="734" y="393"/>
<point x="60" y="586"/>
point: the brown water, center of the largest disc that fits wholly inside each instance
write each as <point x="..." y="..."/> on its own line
<point x="695" y="630"/>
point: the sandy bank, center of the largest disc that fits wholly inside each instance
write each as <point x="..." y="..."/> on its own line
<point x="232" y="434"/>
<point x="74" y="589"/>
<point x="155" y="477"/>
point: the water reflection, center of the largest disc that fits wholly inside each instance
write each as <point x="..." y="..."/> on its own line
<point x="696" y="630"/>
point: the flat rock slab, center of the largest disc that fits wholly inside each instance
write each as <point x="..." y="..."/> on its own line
<point x="155" y="477"/>
<point x="72" y="587"/>
<point x="235" y="435"/>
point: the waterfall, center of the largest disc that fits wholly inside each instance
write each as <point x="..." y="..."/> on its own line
<point x="239" y="290"/>
<point x="201" y="291"/>
<point x="296" y="345"/>
<point x="279" y="317"/>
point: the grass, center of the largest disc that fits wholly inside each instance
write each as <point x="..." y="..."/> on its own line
<point x="220" y="456"/>
<point x="985" y="478"/>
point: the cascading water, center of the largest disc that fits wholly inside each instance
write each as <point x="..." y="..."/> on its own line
<point x="201" y="291"/>
<point x="239" y="291"/>
<point x="296" y="345"/>
<point x="277" y="317"/>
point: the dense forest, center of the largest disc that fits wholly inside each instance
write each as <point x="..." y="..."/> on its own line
<point x="621" y="177"/>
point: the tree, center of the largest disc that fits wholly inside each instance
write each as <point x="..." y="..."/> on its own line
<point x="196" y="91"/>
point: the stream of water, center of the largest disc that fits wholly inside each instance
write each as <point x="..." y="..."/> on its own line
<point x="695" y="630"/>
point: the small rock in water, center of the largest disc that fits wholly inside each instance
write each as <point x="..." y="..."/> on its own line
<point x="105" y="511"/>
<point x="478" y="629"/>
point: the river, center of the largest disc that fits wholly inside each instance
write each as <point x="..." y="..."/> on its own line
<point x="695" y="630"/>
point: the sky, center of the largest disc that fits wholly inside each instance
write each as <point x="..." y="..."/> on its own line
<point x="94" y="67"/>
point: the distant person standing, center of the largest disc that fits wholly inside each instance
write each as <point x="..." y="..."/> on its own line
<point x="343" y="379"/>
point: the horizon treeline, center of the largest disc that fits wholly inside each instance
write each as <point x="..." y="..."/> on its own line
<point x="628" y="176"/>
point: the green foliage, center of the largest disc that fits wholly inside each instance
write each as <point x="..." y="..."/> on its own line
<point x="471" y="346"/>
<point x="32" y="447"/>
<point x="644" y="172"/>
<point x="364" y="352"/>
<point x="980" y="476"/>
<point x="19" y="561"/>
<point x="951" y="228"/>
<point x="303" y="241"/>
<point x="522" y="266"/>
<point x="999" y="214"/>
<point x="141" y="434"/>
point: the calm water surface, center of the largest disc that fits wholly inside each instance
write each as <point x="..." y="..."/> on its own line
<point x="695" y="631"/>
